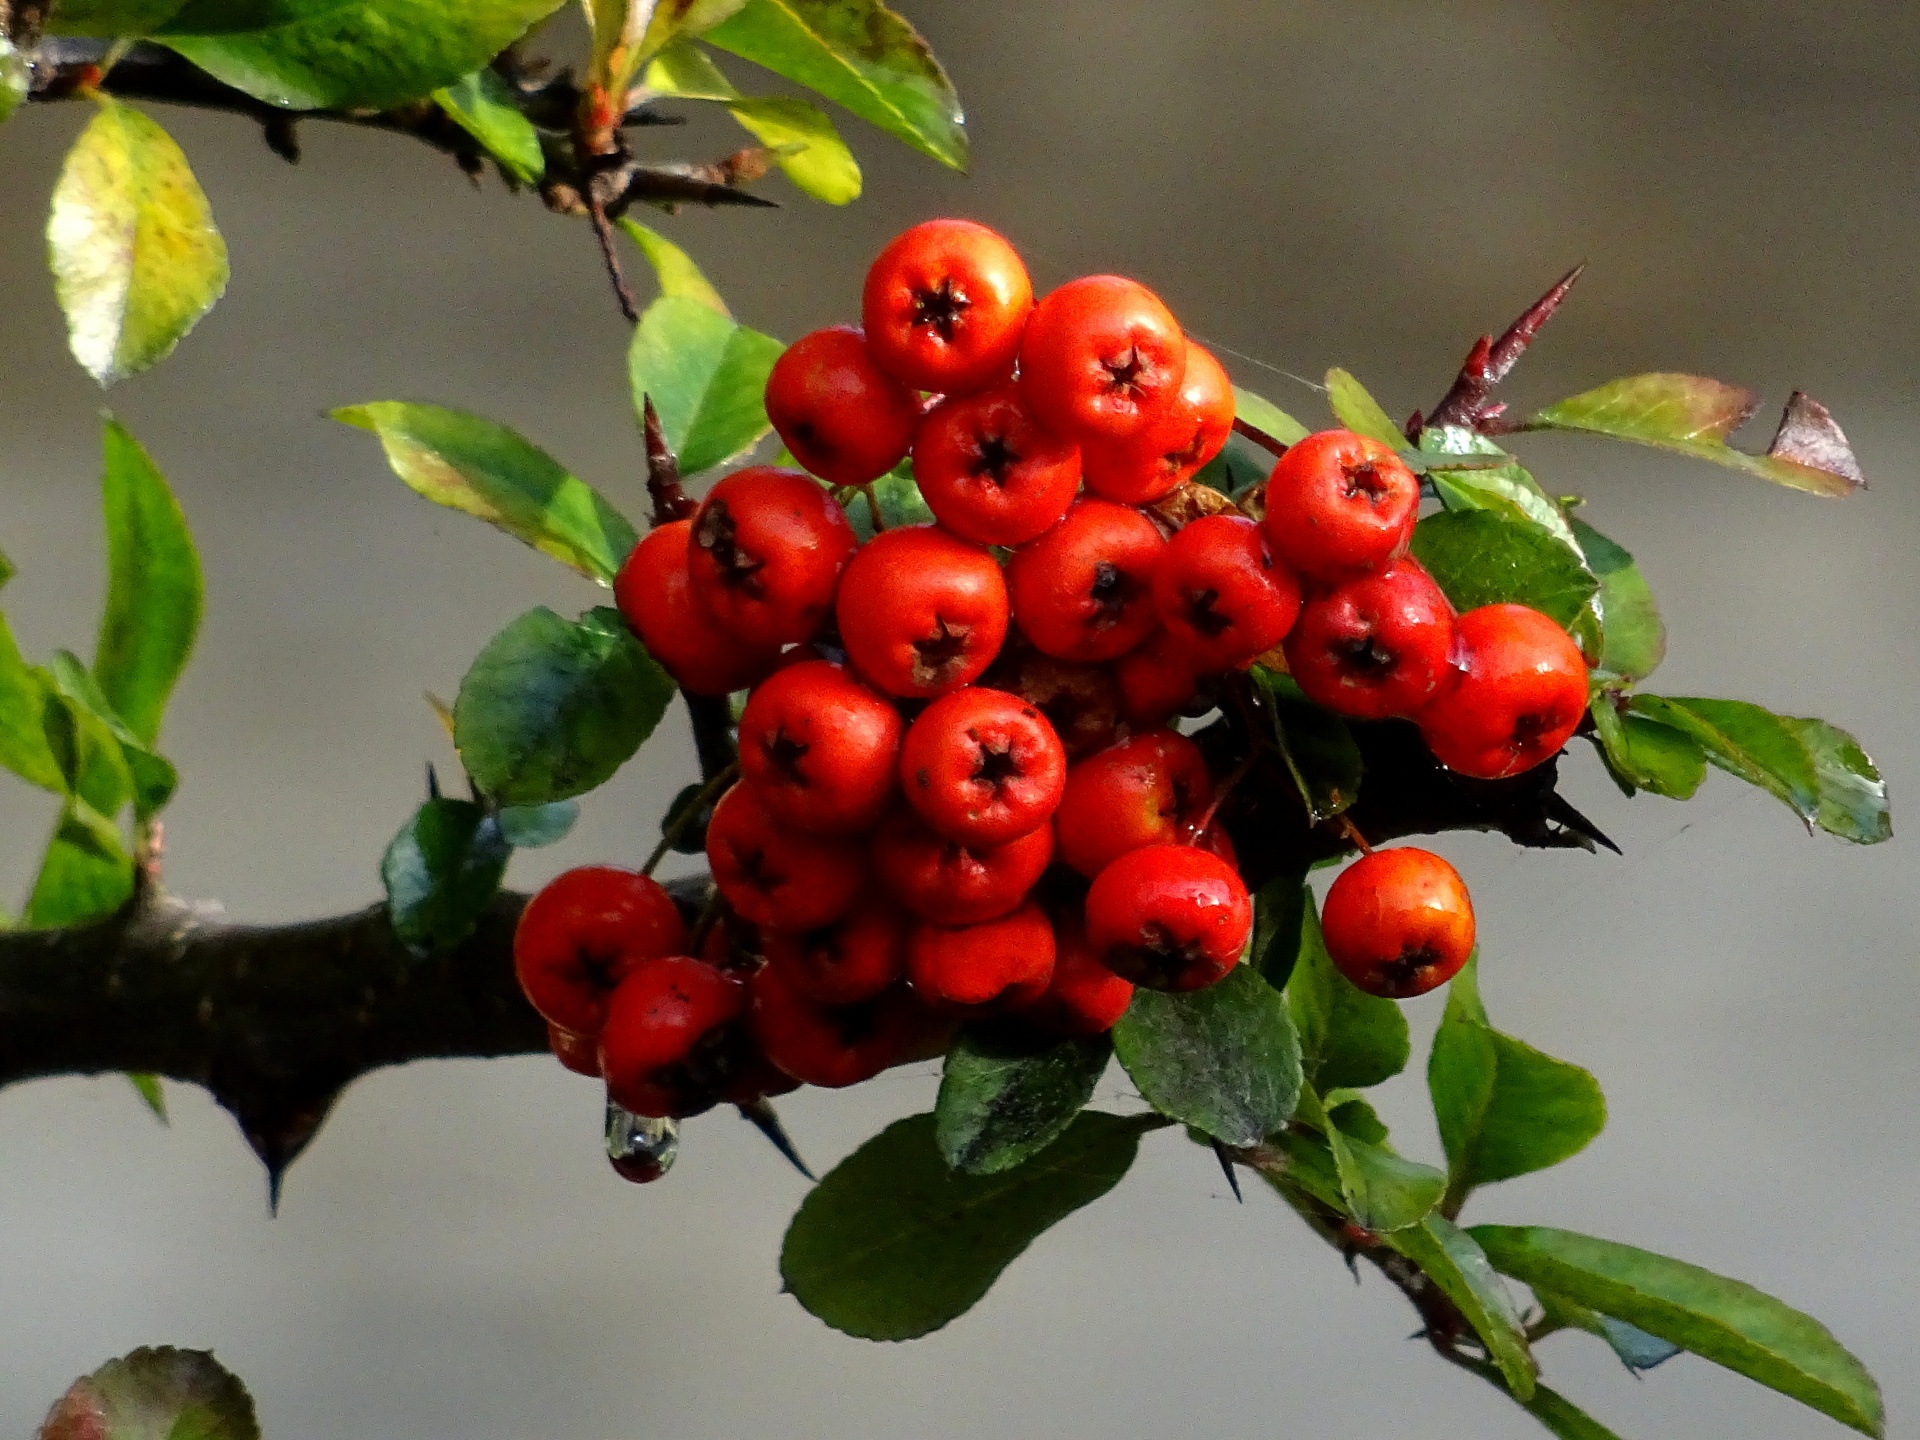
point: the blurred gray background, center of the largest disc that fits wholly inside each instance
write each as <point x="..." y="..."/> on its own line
<point x="1367" y="184"/>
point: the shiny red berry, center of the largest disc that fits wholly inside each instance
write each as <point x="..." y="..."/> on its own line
<point x="1081" y="702"/>
<point x="765" y="554"/>
<point x="1516" y="694"/>
<point x="832" y="1046"/>
<point x="1083" y="997"/>
<point x="1222" y="595"/>
<point x="657" y="603"/>
<point x="1083" y="591"/>
<point x="1102" y="358"/>
<point x="855" y="958"/>
<point x="1169" y="917"/>
<point x="578" y="1053"/>
<point x="820" y="749"/>
<point x="1148" y="790"/>
<point x="922" y="612"/>
<point x="1339" y="504"/>
<point x="1157" y="681"/>
<point x="1171" y="450"/>
<point x="953" y="884"/>
<point x="776" y="877"/>
<point x="662" y="1048"/>
<point x="844" y="418"/>
<point x="982" y="767"/>
<point x="1376" y="646"/>
<point x="1398" y="922"/>
<point x="1006" y="961"/>
<point x="944" y="307"/>
<point x="990" y="471"/>
<point x="582" y="933"/>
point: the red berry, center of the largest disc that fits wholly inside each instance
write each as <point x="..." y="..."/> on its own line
<point x="952" y="884"/>
<point x="654" y="597"/>
<point x="582" y="933"/>
<point x="1376" y="646"/>
<point x="1518" y="690"/>
<point x="989" y="471"/>
<point x="1102" y="357"/>
<point x="1221" y="594"/>
<point x="844" y="418"/>
<point x="1398" y="922"/>
<point x="1340" y="504"/>
<point x="776" y="877"/>
<point x="1081" y="702"/>
<point x="1084" y="997"/>
<point x="982" y="767"/>
<point x="1083" y="590"/>
<point x="820" y="749"/>
<point x="922" y="612"/>
<point x="1148" y="790"/>
<point x="1171" y="450"/>
<point x="853" y="959"/>
<point x="1170" y="917"/>
<point x="944" y="307"/>
<point x="579" y="1053"/>
<point x="662" y="1049"/>
<point x="1008" y="960"/>
<point x="765" y="555"/>
<point x="833" y="1047"/>
<point x="1157" y="681"/>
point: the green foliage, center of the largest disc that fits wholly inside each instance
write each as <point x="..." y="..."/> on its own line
<point x="1636" y="1349"/>
<point x="346" y="54"/>
<point x="1722" y="1320"/>
<point x="707" y="377"/>
<point x="861" y="55"/>
<point x="1692" y="415"/>
<point x="136" y="257"/>
<point x="529" y="827"/>
<point x="24" y="748"/>
<point x="85" y="874"/>
<point x="1381" y="1189"/>
<point x="893" y="1244"/>
<point x="15" y="79"/>
<point x="1483" y="557"/>
<point x="1817" y="769"/>
<point x="1279" y="913"/>
<point x="552" y="707"/>
<point x="1503" y="1107"/>
<point x="1454" y="1260"/>
<point x="1005" y="1096"/>
<point x="1643" y="754"/>
<point x="1359" y="412"/>
<point x="1224" y="1059"/>
<point x="488" y="471"/>
<point x="674" y="268"/>
<point x="1268" y="418"/>
<point x="483" y="105"/>
<point x="147" y="1087"/>
<point x="155" y="1394"/>
<point x="137" y="770"/>
<point x="1635" y="635"/>
<point x="1505" y="488"/>
<point x="1563" y="1418"/>
<point x="1318" y="748"/>
<point x="626" y="32"/>
<point x="441" y="870"/>
<point x="1348" y="1038"/>
<point x="897" y="494"/>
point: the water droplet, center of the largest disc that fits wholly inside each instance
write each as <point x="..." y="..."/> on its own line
<point x="640" y="1148"/>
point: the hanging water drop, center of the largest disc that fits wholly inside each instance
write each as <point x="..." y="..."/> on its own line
<point x="640" y="1148"/>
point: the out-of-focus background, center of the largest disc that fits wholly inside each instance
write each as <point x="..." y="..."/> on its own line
<point x="1367" y="184"/>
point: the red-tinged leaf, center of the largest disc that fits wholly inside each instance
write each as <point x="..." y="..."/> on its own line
<point x="153" y="1392"/>
<point x="1808" y="438"/>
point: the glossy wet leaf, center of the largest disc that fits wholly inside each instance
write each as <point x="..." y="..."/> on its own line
<point x="441" y="870"/>
<point x="860" y="55"/>
<point x="155" y="1394"/>
<point x="893" y="1244"/>
<point x="1268" y="418"/>
<point x="23" y="737"/>
<point x="1004" y="1097"/>
<point x="552" y="707"/>
<point x="1348" y="1038"/>
<point x="1319" y="749"/>
<point x="1722" y="1320"/>
<point x="1507" y="488"/>
<point x="1645" y="754"/>
<point x="136" y="257"/>
<point x="490" y="472"/>
<point x="1224" y="1060"/>
<point x="1635" y="635"/>
<point x="1693" y="415"/>
<point x="154" y="589"/>
<point x="707" y="377"/>
<point x="528" y="827"/>
<point x="349" y="54"/>
<point x="1358" y="411"/>
<point x="673" y="267"/>
<point x="1503" y="1107"/>
<point x="1818" y="770"/>
<point x="482" y="104"/>
<point x="1455" y="1262"/>
<point x="1482" y="557"/>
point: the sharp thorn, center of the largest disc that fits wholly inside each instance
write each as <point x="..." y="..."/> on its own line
<point x="767" y="1121"/>
<point x="275" y="1178"/>
<point x="1559" y="809"/>
<point x="1513" y="342"/>
<point x="433" y="782"/>
<point x="1226" y="1169"/>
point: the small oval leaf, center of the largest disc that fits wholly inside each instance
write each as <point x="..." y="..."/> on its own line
<point x="1005" y="1096"/>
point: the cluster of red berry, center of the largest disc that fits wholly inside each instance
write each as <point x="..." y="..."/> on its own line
<point x="959" y="793"/>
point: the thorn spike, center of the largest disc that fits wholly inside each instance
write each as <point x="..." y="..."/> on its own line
<point x="1226" y="1169"/>
<point x="766" y="1120"/>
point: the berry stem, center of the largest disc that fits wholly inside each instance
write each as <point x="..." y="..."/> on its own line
<point x="873" y="510"/>
<point x="1352" y="832"/>
<point x="670" y="502"/>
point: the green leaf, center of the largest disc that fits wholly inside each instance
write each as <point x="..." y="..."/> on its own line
<point x="136" y="769"/>
<point x="1635" y="636"/>
<point x="441" y="871"/>
<point x="892" y="1245"/>
<point x="1238" y="467"/>
<point x="154" y="597"/>
<point x="1454" y="1261"/>
<point x="147" y="1087"/>
<point x="1817" y="769"/>
<point x="136" y="258"/>
<point x="482" y="104"/>
<point x="349" y="54"/>
<point x="627" y="32"/>
<point x="1503" y="1107"/>
<point x="805" y="145"/>
<point x="488" y="471"/>
<point x="687" y="72"/>
<point x="110" y="19"/>
<point x="1482" y="557"/>
<point x="897" y="494"/>
<point x="1692" y="415"/>
<point x="1722" y="1320"/>
<point x="707" y="377"/>
<point x="1383" y="1190"/>
<point x="1006" y="1097"/>
<point x="528" y="827"/>
<point x="675" y="269"/>
<point x="1563" y="1418"/>
<point x="1359" y="412"/>
<point x="23" y="738"/>
<point x="1279" y="917"/>
<point x="552" y="707"/>
<point x="155" y="1394"/>
<point x="15" y="79"/>
<point x="1348" y="1038"/>
<point x="1643" y="754"/>
<point x="861" y="55"/>
<point x="1507" y="489"/>
<point x="1636" y="1349"/>
<point x="1223" y="1060"/>
<point x="1268" y="418"/>
<point x="85" y="875"/>
<point x="1319" y="750"/>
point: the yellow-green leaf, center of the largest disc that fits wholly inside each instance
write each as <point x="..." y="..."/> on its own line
<point x="806" y="147"/>
<point x="677" y="273"/>
<point x="1359" y="411"/>
<point x="482" y="105"/>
